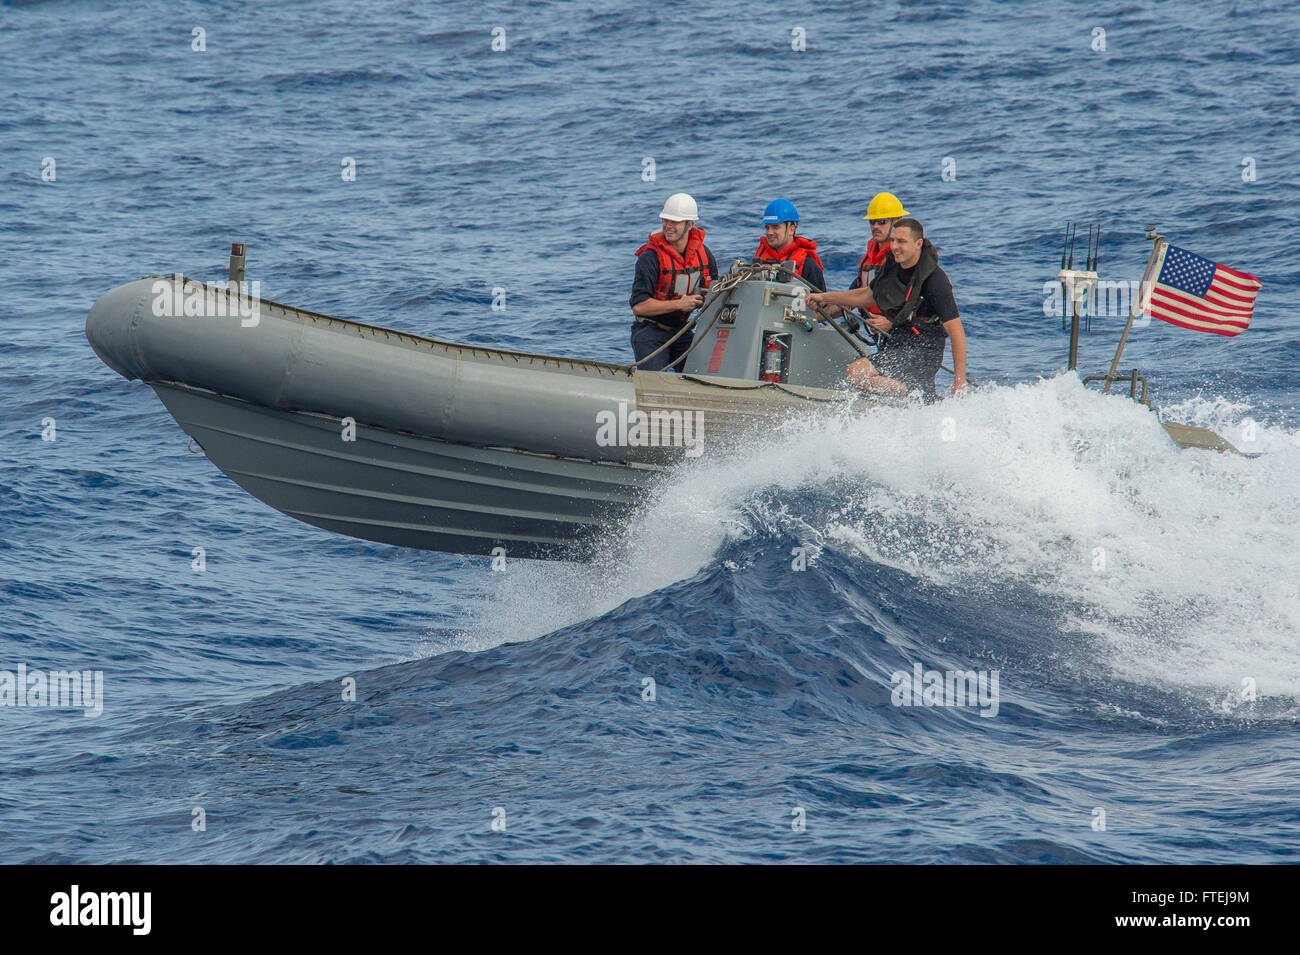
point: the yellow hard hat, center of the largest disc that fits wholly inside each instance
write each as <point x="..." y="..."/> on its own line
<point x="885" y="205"/>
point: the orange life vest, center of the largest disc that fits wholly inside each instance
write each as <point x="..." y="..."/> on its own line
<point x="680" y="274"/>
<point x="871" y="262"/>
<point x="797" y="251"/>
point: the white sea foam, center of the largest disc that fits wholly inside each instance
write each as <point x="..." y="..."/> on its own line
<point x="1180" y="563"/>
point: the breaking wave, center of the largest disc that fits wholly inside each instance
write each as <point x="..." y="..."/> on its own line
<point x="1171" y="567"/>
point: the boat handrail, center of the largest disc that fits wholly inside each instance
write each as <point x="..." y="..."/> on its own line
<point x="603" y="367"/>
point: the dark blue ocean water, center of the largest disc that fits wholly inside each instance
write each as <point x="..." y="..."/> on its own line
<point x="1129" y="596"/>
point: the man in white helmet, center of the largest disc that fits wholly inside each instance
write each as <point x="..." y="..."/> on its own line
<point x="672" y="270"/>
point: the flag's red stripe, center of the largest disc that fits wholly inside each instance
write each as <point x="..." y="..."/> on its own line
<point x="1192" y="316"/>
<point x="1227" y="308"/>
<point x="1197" y="309"/>
<point x="1228" y="286"/>
<point x="1200" y="304"/>
<point x="1217" y="290"/>
<point x="1230" y="307"/>
<point x="1197" y="328"/>
<point x="1220" y="282"/>
<point x="1158" y="308"/>
<point x="1199" y="325"/>
<point x="1243" y="315"/>
<point x="1241" y="275"/>
<point x="1191" y="301"/>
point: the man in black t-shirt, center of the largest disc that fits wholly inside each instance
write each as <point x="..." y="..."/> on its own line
<point x="920" y="315"/>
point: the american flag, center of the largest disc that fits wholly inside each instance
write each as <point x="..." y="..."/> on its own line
<point x="1195" y="293"/>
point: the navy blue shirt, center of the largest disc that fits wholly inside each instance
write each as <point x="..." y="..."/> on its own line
<point x="647" y="280"/>
<point x="812" y="273"/>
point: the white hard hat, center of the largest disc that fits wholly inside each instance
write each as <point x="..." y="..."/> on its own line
<point x="680" y="207"/>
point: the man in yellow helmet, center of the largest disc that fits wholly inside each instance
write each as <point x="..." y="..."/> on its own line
<point x="882" y="212"/>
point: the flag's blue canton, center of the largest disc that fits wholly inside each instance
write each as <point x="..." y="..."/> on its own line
<point x="1186" y="272"/>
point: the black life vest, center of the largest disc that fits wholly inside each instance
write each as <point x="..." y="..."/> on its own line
<point x="898" y="301"/>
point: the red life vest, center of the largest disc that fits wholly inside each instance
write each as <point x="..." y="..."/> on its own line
<point x="680" y="274"/>
<point x="873" y="259"/>
<point x="797" y="251"/>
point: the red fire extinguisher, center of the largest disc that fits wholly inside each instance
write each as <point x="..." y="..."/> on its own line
<point x="772" y="359"/>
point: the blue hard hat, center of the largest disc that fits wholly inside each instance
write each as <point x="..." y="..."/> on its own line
<point x="780" y="210"/>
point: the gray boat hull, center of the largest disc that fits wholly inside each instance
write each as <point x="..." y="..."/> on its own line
<point x="409" y="490"/>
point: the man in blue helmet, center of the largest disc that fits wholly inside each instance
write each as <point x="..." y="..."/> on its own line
<point x="780" y="244"/>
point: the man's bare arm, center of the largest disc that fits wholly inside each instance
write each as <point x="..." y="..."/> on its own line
<point x="853" y="298"/>
<point x="958" y="336"/>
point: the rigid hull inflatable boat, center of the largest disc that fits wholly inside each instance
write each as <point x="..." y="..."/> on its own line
<point x="407" y="440"/>
<point x="397" y="438"/>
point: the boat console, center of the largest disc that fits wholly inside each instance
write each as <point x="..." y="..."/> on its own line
<point x="758" y="328"/>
